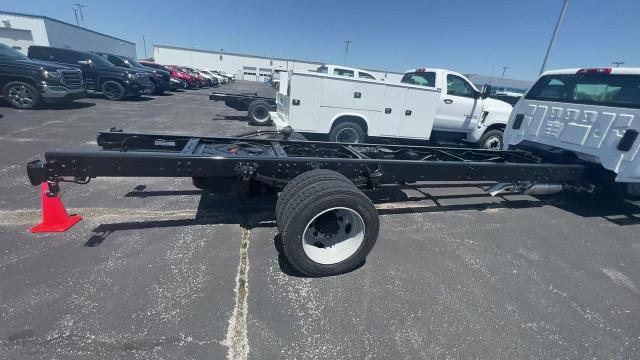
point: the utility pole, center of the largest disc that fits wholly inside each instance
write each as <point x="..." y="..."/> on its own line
<point x="504" y="69"/>
<point x="80" y="6"/>
<point x="618" y="63"/>
<point x="144" y="43"/>
<point x="555" y="33"/>
<point x="76" y="12"/>
<point x="347" y="42"/>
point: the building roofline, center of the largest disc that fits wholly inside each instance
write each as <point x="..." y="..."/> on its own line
<point x="65" y="23"/>
<point x="262" y="57"/>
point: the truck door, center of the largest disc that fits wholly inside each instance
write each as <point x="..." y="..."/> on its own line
<point x="459" y="106"/>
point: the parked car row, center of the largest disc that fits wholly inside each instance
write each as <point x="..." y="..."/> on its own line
<point x="56" y="75"/>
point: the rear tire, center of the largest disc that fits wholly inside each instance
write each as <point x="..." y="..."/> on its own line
<point x="347" y="132"/>
<point x="113" y="90"/>
<point x="258" y="113"/>
<point x="22" y="95"/>
<point x="330" y="227"/>
<point x="491" y="140"/>
<point x="300" y="182"/>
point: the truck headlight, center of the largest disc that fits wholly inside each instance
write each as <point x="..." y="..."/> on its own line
<point x="133" y="76"/>
<point x="51" y="75"/>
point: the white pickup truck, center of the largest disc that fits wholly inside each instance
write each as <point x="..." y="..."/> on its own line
<point x="593" y="114"/>
<point x="427" y="102"/>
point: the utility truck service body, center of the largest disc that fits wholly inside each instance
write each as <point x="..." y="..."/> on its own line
<point x="427" y="102"/>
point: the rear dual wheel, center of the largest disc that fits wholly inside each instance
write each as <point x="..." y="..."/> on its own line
<point x="327" y="225"/>
<point x="258" y="113"/>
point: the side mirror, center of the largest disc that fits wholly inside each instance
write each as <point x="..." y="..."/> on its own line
<point x="486" y="91"/>
<point x="85" y="63"/>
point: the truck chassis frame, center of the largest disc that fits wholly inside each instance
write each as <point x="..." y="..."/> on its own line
<point x="270" y="160"/>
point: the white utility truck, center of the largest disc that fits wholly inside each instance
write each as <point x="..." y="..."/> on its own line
<point x="427" y="104"/>
<point x="593" y="114"/>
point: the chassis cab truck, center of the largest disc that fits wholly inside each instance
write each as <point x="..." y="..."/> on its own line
<point x="427" y="104"/>
<point x="592" y="114"/>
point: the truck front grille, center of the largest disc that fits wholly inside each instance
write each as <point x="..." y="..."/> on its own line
<point x="71" y="77"/>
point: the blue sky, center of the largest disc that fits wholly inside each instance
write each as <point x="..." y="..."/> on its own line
<point x="469" y="36"/>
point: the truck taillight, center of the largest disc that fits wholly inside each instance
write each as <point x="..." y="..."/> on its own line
<point x="605" y="71"/>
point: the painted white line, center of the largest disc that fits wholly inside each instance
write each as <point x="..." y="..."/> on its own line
<point x="237" y="341"/>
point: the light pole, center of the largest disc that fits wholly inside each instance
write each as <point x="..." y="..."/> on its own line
<point x="347" y="43"/>
<point x="555" y="33"/>
<point x="144" y="43"/>
<point x="504" y="69"/>
<point x="80" y="6"/>
<point x="76" y="12"/>
<point x="618" y="63"/>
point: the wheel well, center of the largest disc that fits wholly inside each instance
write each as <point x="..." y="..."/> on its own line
<point x="103" y="80"/>
<point x="496" y="127"/>
<point x="27" y="80"/>
<point x="351" y="118"/>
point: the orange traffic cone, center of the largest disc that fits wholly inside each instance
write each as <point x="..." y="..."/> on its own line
<point x="54" y="216"/>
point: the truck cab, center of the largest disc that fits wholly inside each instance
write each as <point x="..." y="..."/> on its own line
<point x="592" y="114"/>
<point x="462" y="111"/>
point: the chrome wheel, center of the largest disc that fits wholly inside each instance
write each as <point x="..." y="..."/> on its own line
<point x="260" y="114"/>
<point x="21" y="96"/>
<point x="493" y="143"/>
<point x="347" y="135"/>
<point x="333" y="235"/>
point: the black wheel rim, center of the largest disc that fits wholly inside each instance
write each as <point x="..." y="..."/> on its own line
<point x="112" y="91"/>
<point x="21" y="96"/>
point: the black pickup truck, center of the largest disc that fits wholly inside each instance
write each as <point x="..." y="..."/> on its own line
<point x="160" y="79"/>
<point x="26" y="84"/>
<point x="100" y="76"/>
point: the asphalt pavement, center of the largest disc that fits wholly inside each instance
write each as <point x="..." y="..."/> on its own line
<point x="160" y="269"/>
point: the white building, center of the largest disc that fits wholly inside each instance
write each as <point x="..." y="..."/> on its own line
<point x="247" y="67"/>
<point x="21" y="31"/>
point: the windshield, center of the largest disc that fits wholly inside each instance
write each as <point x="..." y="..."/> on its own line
<point x="99" y="60"/>
<point x="8" y="53"/>
<point x="134" y="63"/>
<point x="592" y="89"/>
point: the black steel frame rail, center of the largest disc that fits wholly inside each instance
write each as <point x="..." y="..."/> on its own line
<point x="275" y="162"/>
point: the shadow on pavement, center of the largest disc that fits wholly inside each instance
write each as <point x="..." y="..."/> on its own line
<point x="259" y="211"/>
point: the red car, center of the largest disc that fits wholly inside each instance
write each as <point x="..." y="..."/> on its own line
<point x="203" y="81"/>
<point x="178" y="73"/>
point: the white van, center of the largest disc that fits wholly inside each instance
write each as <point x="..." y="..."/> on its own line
<point x="593" y="113"/>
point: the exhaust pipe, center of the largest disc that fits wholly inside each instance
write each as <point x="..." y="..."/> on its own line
<point x="527" y="188"/>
